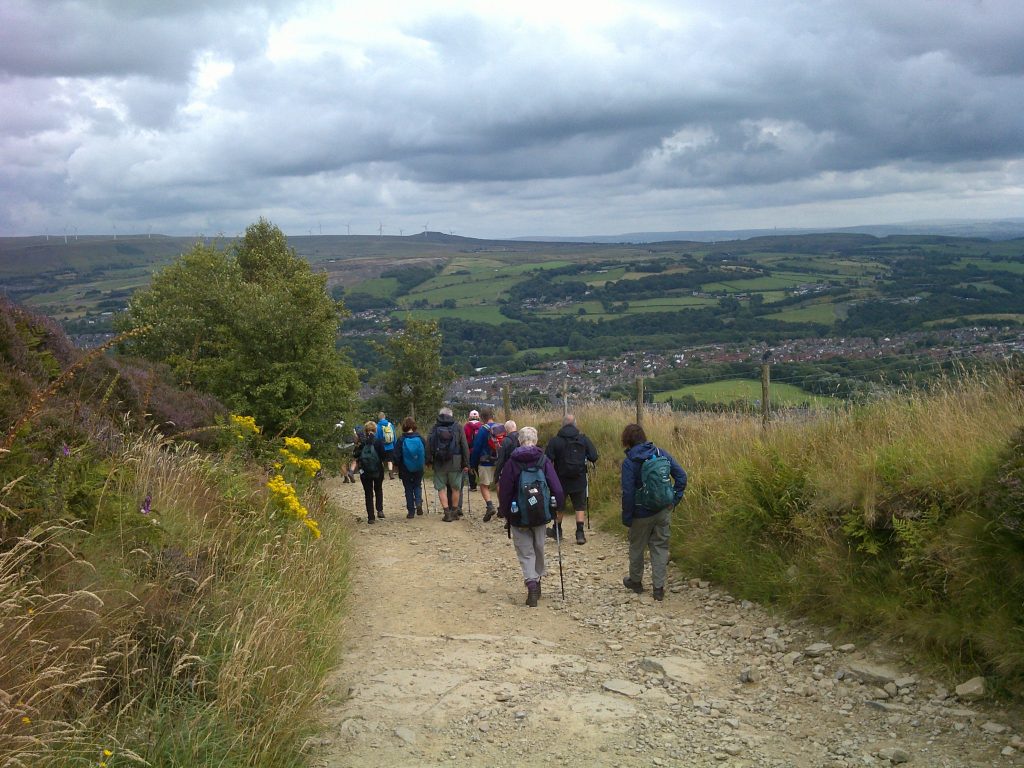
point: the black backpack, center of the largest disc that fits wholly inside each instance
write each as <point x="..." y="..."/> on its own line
<point x="369" y="461"/>
<point x="574" y="458"/>
<point x="533" y="498"/>
<point x="444" y="443"/>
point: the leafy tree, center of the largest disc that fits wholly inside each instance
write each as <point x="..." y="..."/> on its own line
<point x="253" y="326"/>
<point x="415" y="380"/>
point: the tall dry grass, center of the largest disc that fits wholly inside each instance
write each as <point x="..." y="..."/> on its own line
<point x="904" y="516"/>
<point x="197" y="633"/>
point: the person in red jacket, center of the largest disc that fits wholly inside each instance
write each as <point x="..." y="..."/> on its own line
<point x="472" y="427"/>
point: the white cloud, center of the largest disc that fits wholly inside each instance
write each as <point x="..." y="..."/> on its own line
<point x="503" y="119"/>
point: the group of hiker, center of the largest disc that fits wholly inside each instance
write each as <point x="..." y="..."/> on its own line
<point x="532" y="484"/>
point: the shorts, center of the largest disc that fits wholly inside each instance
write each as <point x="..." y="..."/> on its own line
<point x="579" y="500"/>
<point x="485" y="475"/>
<point x="389" y="454"/>
<point x="444" y="479"/>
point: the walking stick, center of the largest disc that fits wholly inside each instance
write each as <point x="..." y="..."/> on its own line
<point x="558" y="538"/>
<point x="468" y="497"/>
<point x="561" y="577"/>
<point x="588" y="502"/>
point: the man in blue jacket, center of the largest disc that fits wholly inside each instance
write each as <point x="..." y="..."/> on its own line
<point x="653" y="483"/>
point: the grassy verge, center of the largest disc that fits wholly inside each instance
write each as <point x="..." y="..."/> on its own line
<point x="155" y="610"/>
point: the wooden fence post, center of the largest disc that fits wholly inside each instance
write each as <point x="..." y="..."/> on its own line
<point x="506" y="402"/>
<point x="640" y="400"/>
<point x="766" y="377"/>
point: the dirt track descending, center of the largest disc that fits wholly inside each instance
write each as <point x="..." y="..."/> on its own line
<point x="444" y="665"/>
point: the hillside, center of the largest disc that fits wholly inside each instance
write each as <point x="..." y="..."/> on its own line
<point x="525" y="308"/>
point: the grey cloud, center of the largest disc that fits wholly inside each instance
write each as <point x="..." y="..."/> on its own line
<point x="788" y="101"/>
<point x="75" y="39"/>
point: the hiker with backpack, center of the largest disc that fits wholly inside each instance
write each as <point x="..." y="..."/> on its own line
<point x="569" y="451"/>
<point x="448" y="454"/>
<point x="525" y="490"/>
<point x="484" y="454"/>
<point x="369" y="457"/>
<point x="653" y="483"/>
<point x="472" y="427"/>
<point x="386" y="434"/>
<point x="509" y="444"/>
<point x="411" y="459"/>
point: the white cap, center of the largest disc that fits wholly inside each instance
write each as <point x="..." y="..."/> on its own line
<point x="474" y="414"/>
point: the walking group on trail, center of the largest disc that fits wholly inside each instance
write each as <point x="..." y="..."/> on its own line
<point x="532" y="484"/>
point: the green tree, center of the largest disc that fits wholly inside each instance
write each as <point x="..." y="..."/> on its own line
<point x="414" y="381"/>
<point x="254" y="326"/>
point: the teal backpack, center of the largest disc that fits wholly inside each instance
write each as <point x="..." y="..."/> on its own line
<point x="657" y="491"/>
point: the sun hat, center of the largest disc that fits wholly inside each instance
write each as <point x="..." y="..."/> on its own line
<point x="474" y="414"/>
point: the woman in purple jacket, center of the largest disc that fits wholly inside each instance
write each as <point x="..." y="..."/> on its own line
<point x="528" y="540"/>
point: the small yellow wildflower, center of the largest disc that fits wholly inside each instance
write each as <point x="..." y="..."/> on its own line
<point x="31" y="611"/>
<point x="313" y="526"/>
<point x="107" y="753"/>
<point x="26" y="720"/>
<point x="246" y="424"/>
<point x="297" y="444"/>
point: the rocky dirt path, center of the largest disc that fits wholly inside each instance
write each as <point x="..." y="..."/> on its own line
<point x="443" y="665"/>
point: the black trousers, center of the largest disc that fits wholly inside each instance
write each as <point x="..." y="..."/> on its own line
<point x="373" y="486"/>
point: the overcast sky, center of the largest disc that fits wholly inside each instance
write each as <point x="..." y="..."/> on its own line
<point x="495" y="119"/>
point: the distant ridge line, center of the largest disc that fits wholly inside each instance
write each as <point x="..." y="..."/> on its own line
<point x="1001" y="229"/>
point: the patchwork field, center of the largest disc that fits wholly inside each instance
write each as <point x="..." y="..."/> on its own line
<point x="746" y="390"/>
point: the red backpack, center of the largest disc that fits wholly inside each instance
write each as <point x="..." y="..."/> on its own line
<point x="495" y="437"/>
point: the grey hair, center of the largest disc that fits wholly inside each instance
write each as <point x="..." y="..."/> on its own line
<point x="510" y="426"/>
<point x="527" y="436"/>
<point x="568" y="419"/>
<point x="446" y="411"/>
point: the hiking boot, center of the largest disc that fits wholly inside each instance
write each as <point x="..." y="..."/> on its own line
<point x="491" y="512"/>
<point x="659" y="593"/>
<point x="448" y="517"/>
<point x="552" y="534"/>
<point x="370" y="521"/>
<point x="410" y="515"/>
<point x="380" y="515"/>
<point x="636" y="586"/>
<point x="532" y="594"/>
<point x="419" y="509"/>
<point x="458" y="513"/>
<point x="581" y="537"/>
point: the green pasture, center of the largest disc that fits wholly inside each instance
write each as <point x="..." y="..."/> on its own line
<point x="997" y="317"/>
<point x="731" y="390"/>
<point x="984" y="286"/>
<point x="465" y="292"/>
<point x="754" y="284"/>
<point x="595" y="310"/>
<point x="381" y="287"/>
<point x="487" y="313"/>
<point x="821" y="312"/>
<point x="1016" y="267"/>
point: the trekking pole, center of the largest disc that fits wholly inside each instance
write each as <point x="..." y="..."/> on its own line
<point x="558" y="538"/>
<point x="588" y="502"/>
<point x="467" y="497"/>
<point x="561" y="578"/>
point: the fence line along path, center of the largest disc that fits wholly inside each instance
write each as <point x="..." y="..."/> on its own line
<point x="443" y="665"/>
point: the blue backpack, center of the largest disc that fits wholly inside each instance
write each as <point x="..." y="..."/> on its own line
<point x="533" y="498"/>
<point x="413" y="453"/>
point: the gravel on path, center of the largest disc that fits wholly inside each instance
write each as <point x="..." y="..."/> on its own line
<point x="442" y="664"/>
